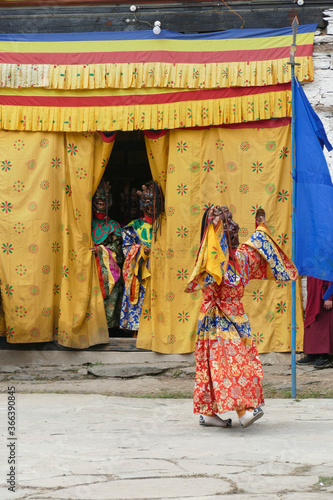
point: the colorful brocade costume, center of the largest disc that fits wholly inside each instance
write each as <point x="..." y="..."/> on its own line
<point x="136" y="236"/>
<point x="106" y="235"/>
<point x="228" y="368"/>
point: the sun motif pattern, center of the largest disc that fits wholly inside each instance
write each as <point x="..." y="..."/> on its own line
<point x="38" y="172"/>
<point x="183" y="160"/>
<point x="217" y="166"/>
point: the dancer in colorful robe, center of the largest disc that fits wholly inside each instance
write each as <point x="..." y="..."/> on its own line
<point x="137" y="237"/>
<point x="106" y="234"/>
<point x="228" y="368"/>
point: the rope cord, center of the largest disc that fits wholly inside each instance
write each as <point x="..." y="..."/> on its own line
<point x="225" y="3"/>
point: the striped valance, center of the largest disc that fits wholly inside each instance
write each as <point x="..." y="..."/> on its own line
<point x="80" y="111"/>
<point x="154" y="75"/>
<point x="138" y="80"/>
<point x="235" y="58"/>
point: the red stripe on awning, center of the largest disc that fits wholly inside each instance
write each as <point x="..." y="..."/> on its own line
<point x="136" y="99"/>
<point x="153" y="56"/>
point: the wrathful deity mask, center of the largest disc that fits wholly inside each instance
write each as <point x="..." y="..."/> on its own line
<point x="152" y="204"/>
<point x="151" y="200"/>
<point x="102" y="199"/>
<point x="147" y="198"/>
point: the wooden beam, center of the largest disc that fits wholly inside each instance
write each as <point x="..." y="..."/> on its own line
<point x="43" y="3"/>
<point x="201" y="17"/>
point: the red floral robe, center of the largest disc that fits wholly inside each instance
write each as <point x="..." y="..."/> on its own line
<point x="228" y="368"/>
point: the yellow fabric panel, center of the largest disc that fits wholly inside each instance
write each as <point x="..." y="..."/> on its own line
<point x="24" y="75"/>
<point x="165" y="75"/>
<point x="170" y="115"/>
<point x="49" y="280"/>
<point x="244" y="169"/>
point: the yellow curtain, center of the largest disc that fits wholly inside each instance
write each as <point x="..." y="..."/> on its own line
<point x="49" y="282"/>
<point x="245" y="168"/>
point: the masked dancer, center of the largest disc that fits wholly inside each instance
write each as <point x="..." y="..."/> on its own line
<point x="106" y="234"/>
<point x="228" y="368"/>
<point x="137" y="237"/>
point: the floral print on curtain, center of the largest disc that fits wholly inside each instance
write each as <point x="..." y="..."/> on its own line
<point x="244" y="168"/>
<point x="49" y="282"/>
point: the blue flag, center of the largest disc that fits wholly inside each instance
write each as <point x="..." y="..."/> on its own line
<point x="314" y="193"/>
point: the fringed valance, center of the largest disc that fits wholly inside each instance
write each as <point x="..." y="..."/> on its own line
<point x="155" y="75"/>
<point x="178" y="76"/>
<point x="24" y="75"/>
<point x="155" y="111"/>
<point x="138" y="80"/>
<point x="141" y="59"/>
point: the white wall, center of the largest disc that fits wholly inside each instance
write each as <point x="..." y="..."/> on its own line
<point x="320" y="91"/>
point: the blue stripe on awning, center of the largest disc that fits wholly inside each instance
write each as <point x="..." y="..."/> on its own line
<point x="148" y="34"/>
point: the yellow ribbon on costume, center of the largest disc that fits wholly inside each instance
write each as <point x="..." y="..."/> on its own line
<point x="212" y="258"/>
<point x="217" y="257"/>
<point x="141" y="274"/>
<point x="106" y="262"/>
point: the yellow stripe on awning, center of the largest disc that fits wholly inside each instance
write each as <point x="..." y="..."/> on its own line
<point x="184" y="46"/>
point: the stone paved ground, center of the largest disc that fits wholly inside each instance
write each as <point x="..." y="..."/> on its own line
<point x="94" y="447"/>
<point x="104" y="426"/>
<point x="141" y="374"/>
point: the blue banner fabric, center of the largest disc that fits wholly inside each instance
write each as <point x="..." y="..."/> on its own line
<point x="314" y="193"/>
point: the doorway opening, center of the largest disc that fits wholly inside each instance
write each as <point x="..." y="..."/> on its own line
<point x="127" y="170"/>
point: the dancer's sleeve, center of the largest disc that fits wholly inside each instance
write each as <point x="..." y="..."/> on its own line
<point x="266" y="260"/>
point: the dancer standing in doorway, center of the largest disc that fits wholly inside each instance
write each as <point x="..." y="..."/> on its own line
<point x="106" y="234"/>
<point x="137" y="237"/>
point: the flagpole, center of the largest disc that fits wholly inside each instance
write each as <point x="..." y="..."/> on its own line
<point x="293" y="220"/>
<point x="293" y="232"/>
